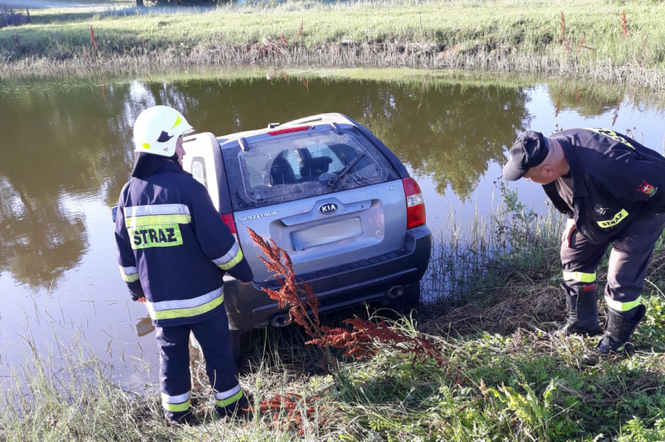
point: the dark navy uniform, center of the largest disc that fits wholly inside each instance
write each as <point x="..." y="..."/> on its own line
<point x="618" y="195"/>
<point x="173" y="248"/>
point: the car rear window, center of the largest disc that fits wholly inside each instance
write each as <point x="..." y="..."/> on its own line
<point x="300" y="165"/>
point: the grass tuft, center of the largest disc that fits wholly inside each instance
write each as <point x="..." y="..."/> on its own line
<point x="504" y="378"/>
<point x="532" y="36"/>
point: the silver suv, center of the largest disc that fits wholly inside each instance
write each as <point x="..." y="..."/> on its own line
<point x="333" y="196"/>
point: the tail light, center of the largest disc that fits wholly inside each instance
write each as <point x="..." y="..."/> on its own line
<point x="415" y="204"/>
<point x="228" y="220"/>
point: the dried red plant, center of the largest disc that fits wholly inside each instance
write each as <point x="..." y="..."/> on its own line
<point x="300" y="301"/>
<point x="579" y="48"/>
<point x="624" y="25"/>
<point x="93" y="39"/>
<point x="583" y="46"/>
<point x="616" y="113"/>
<point x="290" y="412"/>
<point x="358" y="341"/>
<point x="562" y="25"/>
<point x="557" y="104"/>
<point x="299" y="31"/>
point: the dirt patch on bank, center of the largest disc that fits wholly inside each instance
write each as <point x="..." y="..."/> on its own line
<point x="516" y="306"/>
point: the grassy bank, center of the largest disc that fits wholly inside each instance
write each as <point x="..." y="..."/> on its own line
<point x="502" y="376"/>
<point x="570" y="38"/>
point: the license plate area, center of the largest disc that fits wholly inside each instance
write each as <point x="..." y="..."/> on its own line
<point x="326" y="233"/>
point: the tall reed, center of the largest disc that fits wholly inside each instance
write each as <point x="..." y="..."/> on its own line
<point x="498" y="36"/>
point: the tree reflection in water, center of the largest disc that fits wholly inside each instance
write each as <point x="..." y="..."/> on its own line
<point x="68" y="140"/>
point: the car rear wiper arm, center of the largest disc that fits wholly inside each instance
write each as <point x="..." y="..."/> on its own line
<point x="333" y="181"/>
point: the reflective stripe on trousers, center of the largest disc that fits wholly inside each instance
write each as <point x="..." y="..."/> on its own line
<point x="228" y="397"/>
<point x="623" y="306"/>
<point x="177" y="403"/>
<point x="629" y="258"/>
<point x="215" y="342"/>
<point x="579" y="277"/>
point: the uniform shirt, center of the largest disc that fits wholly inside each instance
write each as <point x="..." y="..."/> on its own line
<point x="614" y="179"/>
<point x="564" y="187"/>
<point x="173" y="247"/>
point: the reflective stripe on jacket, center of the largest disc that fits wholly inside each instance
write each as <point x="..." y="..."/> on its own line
<point x="614" y="178"/>
<point x="173" y="247"/>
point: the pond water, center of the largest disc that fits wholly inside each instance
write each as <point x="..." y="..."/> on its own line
<point x="66" y="151"/>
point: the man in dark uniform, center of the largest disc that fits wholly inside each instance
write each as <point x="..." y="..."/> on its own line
<point x="173" y="251"/>
<point x="612" y="190"/>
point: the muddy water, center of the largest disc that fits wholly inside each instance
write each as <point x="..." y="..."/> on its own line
<point x="66" y="151"/>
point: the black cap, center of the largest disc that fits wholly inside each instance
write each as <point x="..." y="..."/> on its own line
<point x="529" y="150"/>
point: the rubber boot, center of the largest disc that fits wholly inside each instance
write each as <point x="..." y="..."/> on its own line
<point x="618" y="330"/>
<point x="179" y="418"/>
<point x="582" y="311"/>
<point x="236" y="409"/>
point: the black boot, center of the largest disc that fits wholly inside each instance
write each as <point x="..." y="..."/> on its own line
<point x="180" y="417"/>
<point x="618" y="330"/>
<point x="582" y="311"/>
<point x="236" y="409"/>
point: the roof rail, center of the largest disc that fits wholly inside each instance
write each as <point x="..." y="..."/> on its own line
<point x="307" y="121"/>
<point x="243" y="144"/>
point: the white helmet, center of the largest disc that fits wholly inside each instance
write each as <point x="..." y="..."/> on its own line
<point x="157" y="130"/>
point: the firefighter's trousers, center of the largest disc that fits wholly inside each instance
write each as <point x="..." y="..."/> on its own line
<point x="628" y="261"/>
<point x="215" y="340"/>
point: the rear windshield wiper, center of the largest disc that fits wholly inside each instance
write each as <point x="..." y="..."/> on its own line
<point x="333" y="181"/>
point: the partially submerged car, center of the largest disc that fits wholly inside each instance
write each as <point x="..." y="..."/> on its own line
<point x="332" y="195"/>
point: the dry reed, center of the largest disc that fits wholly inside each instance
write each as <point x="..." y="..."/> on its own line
<point x="357" y="342"/>
<point x="336" y="55"/>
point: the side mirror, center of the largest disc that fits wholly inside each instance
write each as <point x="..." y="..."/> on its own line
<point x="114" y="212"/>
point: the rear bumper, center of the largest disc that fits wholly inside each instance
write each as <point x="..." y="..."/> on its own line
<point x="247" y="306"/>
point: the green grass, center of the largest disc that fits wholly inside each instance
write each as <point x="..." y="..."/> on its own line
<point x="501" y="35"/>
<point x="504" y="377"/>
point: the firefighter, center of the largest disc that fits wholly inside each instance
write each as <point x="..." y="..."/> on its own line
<point x="173" y="250"/>
<point x="612" y="190"/>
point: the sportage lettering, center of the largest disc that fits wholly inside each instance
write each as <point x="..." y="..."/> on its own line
<point x="261" y="215"/>
<point x="156" y="236"/>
